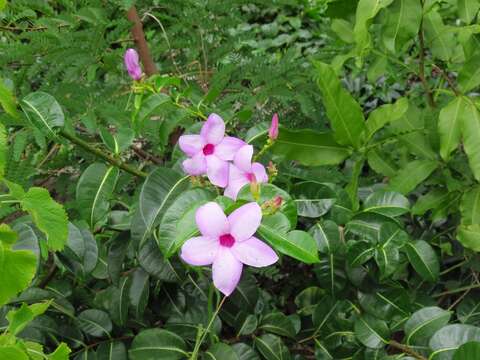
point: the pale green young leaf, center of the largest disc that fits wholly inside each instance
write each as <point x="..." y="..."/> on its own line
<point x="468" y="9"/>
<point x="384" y="114"/>
<point x="43" y="112"/>
<point x="18" y="319"/>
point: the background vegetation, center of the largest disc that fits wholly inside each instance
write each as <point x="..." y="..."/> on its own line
<point x="378" y="166"/>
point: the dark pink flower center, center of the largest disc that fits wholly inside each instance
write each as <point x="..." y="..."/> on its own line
<point x="227" y="240"/>
<point x="251" y="177"/>
<point x="208" y="149"/>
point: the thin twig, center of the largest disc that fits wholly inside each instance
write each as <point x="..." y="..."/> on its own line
<point x="406" y="349"/>
<point x="421" y="65"/>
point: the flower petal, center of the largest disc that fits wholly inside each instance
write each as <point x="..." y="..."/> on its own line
<point x="259" y="172"/>
<point x="211" y="220"/>
<point x="243" y="158"/>
<point x="217" y="171"/>
<point x="195" y="165"/>
<point x="200" y="250"/>
<point x="245" y="221"/>
<point x="236" y="180"/>
<point x="229" y="146"/>
<point x="191" y="144"/>
<point x="254" y="252"/>
<point x="213" y="130"/>
<point x="226" y="271"/>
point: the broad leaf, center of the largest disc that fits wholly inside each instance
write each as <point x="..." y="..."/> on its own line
<point x="469" y="75"/>
<point x="439" y="39"/>
<point x="449" y="338"/>
<point x="470" y="206"/>
<point x="153" y="344"/>
<point x="139" y="292"/>
<point x="277" y="323"/>
<point x="385" y="114"/>
<point x="7" y="99"/>
<point x="471" y="140"/>
<point x="467" y="9"/>
<point x="423" y="259"/>
<point x="220" y="351"/>
<point x="19" y="319"/>
<point x="94" y="192"/>
<point x="95" y="322"/>
<point x="467" y="351"/>
<point x="469" y="236"/>
<point x="408" y="178"/>
<point x="309" y="147"/>
<point x="272" y="347"/>
<point x="245" y="352"/>
<point x="344" y="113"/>
<point x="450" y="122"/>
<point x="327" y="236"/>
<point x="388" y="203"/>
<point x="43" y="112"/>
<point x="113" y="350"/>
<point x="313" y="200"/>
<point x="371" y="332"/>
<point x="424" y="323"/>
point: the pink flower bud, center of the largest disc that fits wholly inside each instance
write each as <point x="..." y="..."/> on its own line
<point x="277" y="201"/>
<point x="132" y="64"/>
<point x="273" y="131"/>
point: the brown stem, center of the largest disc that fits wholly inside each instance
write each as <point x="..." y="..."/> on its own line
<point x="52" y="270"/>
<point x="450" y="82"/>
<point x="421" y="65"/>
<point x="406" y="349"/>
<point x="139" y="37"/>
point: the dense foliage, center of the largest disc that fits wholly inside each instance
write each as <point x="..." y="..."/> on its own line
<point x="372" y="202"/>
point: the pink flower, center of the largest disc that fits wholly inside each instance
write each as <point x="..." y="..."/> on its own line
<point x="242" y="172"/>
<point x="273" y="131"/>
<point x="132" y="64"/>
<point x="227" y="243"/>
<point x="210" y="151"/>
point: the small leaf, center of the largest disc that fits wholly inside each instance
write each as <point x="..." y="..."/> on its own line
<point x="155" y="344"/>
<point x="423" y="259"/>
<point x="7" y="99"/>
<point x="424" y="323"/>
<point x="12" y="353"/>
<point x="60" y="353"/>
<point x="384" y="114"/>
<point x="371" y="332"/>
<point x="43" y="112"/>
<point x="388" y="203"/>
<point x="20" y="318"/>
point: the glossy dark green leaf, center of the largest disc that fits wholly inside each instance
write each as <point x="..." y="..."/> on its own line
<point x="309" y="147"/>
<point x="359" y="252"/>
<point x="248" y="325"/>
<point x="245" y="352"/>
<point x="424" y="323"/>
<point x="448" y="339"/>
<point x="220" y="351"/>
<point x="471" y="142"/>
<point x="271" y="347"/>
<point x="43" y="112"/>
<point x="408" y="178"/>
<point x="423" y="259"/>
<point x="95" y="322"/>
<point x="371" y="332"/>
<point x="113" y="350"/>
<point x="467" y="351"/>
<point x="388" y="203"/>
<point x="139" y="292"/>
<point x="153" y="262"/>
<point x="308" y="299"/>
<point x="327" y="236"/>
<point x="277" y="323"/>
<point x="313" y="200"/>
<point x="153" y="344"/>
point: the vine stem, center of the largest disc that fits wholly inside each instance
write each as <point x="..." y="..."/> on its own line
<point x="207" y="330"/>
<point x="107" y="157"/>
<point x="406" y="349"/>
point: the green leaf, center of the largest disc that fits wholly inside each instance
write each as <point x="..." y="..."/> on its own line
<point x="95" y="322"/>
<point x="359" y="252"/>
<point x="139" y="292"/>
<point x="308" y="299"/>
<point x="313" y="200"/>
<point x="3" y="150"/>
<point x="309" y="147"/>
<point x="150" y="105"/>
<point x="248" y="325"/>
<point x="152" y="260"/>
<point x="371" y="332"/>
<point x="178" y="224"/>
<point x="469" y="236"/>
<point x="94" y="192"/>
<point x="380" y="164"/>
<point x="467" y="351"/>
<point x="43" y="112"/>
<point x="245" y="352"/>
<point x="408" y="178"/>
<point x="272" y="347"/>
<point x="468" y="9"/>
<point x="343" y="29"/>
<point x="60" y="353"/>
<point x="469" y="75"/>
<point x="221" y="351"/>
<point x="159" y="190"/>
<point x="297" y="244"/>
<point x="449" y="338"/>
<point x="113" y="350"/>
<point x="423" y="259"/>
<point x="424" y="323"/>
<point x="470" y="206"/>
<point x="48" y="215"/>
<point x="471" y="140"/>
<point x="277" y="323"/>
<point x="384" y="114"/>
<point x="352" y="187"/>
<point x="327" y="236"/>
<point x="17" y="267"/>
<point x="344" y="113"/>
<point x="8" y="101"/>
<point x="450" y="122"/>
<point x="153" y="344"/>
<point x="388" y="203"/>
<point x="20" y="318"/>
<point x="12" y="353"/>
<point x="430" y="200"/>
<point x="439" y="39"/>
<point x="402" y="23"/>
<point x="387" y="255"/>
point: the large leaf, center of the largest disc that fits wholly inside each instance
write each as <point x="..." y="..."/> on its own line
<point x="312" y="199"/>
<point x="471" y="139"/>
<point x="423" y="259"/>
<point x="43" y="112"/>
<point x="153" y="344"/>
<point x="112" y="350"/>
<point x="385" y="114"/>
<point x="277" y="323"/>
<point x="272" y="347"/>
<point x="470" y="206"/>
<point x="245" y="352"/>
<point x="139" y="292"/>
<point x="344" y="113"/>
<point x="221" y="351"/>
<point x="449" y="338"/>
<point x="48" y="215"/>
<point x="467" y="351"/>
<point x="469" y="75"/>
<point x="309" y="147"/>
<point x="95" y="322"/>
<point x="467" y="9"/>
<point x="327" y="236"/>
<point x="94" y="192"/>
<point x="408" y="178"/>
<point x="469" y="236"/>
<point x="440" y="41"/>
<point x="159" y="190"/>
<point x="424" y="323"/>
<point x="178" y="224"/>
<point x="12" y="353"/>
<point x="18" y="319"/>
<point x="388" y="203"/>
<point x="450" y="125"/>
<point x="402" y="23"/>
<point x="371" y="332"/>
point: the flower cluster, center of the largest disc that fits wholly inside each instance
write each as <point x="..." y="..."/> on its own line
<point x="227" y="243"/>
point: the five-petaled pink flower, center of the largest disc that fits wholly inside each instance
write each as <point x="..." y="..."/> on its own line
<point x="210" y="151"/>
<point x="243" y="172"/>
<point x="132" y="64"/>
<point x="273" y="131"/>
<point x="227" y="243"/>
